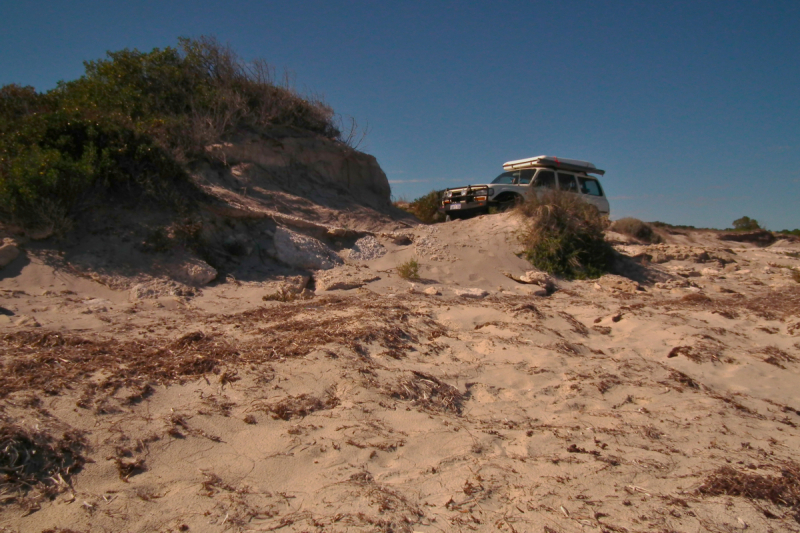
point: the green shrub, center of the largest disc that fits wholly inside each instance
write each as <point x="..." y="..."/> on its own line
<point x="636" y="229"/>
<point x="127" y="128"/>
<point x="409" y="269"/>
<point x="64" y="160"/>
<point x="564" y="236"/>
<point x="426" y="207"/>
<point x="746" y="224"/>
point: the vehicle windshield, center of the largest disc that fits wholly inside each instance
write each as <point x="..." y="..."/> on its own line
<point x="506" y="178"/>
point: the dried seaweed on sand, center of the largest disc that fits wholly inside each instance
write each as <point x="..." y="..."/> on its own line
<point x="782" y="490"/>
<point x="428" y="392"/>
<point x="35" y="459"/>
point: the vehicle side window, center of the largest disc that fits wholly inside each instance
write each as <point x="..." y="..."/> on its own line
<point x="590" y="186"/>
<point x="546" y="179"/>
<point x="566" y="182"/>
<point x="506" y="178"/>
<point x="525" y="176"/>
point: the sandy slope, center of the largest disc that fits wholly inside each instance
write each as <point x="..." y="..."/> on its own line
<point x="383" y="408"/>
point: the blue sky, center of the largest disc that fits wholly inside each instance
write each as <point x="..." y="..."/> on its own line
<point x="692" y="108"/>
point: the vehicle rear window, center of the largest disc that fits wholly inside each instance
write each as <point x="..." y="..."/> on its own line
<point x="545" y="178"/>
<point x="566" y="182"/>
<point x="590" y="186"/>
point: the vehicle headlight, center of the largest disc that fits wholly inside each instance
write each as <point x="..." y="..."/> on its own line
<point x="448" y="194"/>
<point x="490" y="192"/>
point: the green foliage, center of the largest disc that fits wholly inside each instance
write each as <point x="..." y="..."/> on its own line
<point x="62" y="160"/>
<point x="564" y="236"/>
<point x="795" y="232"/>
<point x="426" y="207"/>
<point x="637" y="229"/>
<point x="128" y="125"/>
<point x="409" y="269"/>
<point x="746" y="224"/>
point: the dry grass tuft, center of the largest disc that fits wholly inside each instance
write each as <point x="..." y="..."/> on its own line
<point x="35" y="459"/>
<point x="783" y="490"/>
<point x="428" y="392"/>
<point x="129" y="467"/>
<point x="409" y="269"/>
<point x="696" y="298"/>
<point x="776" y="356"/>
<point x="300" y="406"/>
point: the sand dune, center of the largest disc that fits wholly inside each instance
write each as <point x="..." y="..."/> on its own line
<point x="664" y="404"/>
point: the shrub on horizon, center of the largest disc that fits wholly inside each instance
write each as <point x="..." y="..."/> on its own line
<point x="637" y="229"/>
<point x="746" y="224"/>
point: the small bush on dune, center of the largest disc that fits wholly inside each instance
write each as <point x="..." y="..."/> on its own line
<point x="636" y="229"/>
<point x="409" y="269"/>
<point x="564" y="236"/>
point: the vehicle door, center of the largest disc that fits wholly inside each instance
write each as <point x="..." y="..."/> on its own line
<point x="545" y="180"/>
<point x="592" y="192"/>
<point x="567" y="183"/>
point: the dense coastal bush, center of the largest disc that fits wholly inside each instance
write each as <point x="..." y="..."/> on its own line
<point x="564" y="236"/>
<point x="131" y="123"/>
<point x="426" y="207"/>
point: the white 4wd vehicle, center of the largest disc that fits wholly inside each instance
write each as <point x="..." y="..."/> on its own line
<point x="523" y="178"/>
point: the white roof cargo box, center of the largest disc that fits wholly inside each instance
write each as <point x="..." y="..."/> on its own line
<point x="553" y="162"/>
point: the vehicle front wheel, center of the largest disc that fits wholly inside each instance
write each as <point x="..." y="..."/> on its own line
<point x="508" y="201"/>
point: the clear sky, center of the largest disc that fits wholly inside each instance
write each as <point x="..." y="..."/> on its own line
<point x="692" y="108"/>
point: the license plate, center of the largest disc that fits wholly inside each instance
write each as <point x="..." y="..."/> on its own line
<point x="455" y="206"/>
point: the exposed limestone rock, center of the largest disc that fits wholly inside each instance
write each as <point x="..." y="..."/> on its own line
<point x="343" y="279"/>
<point x="401" y="239"/>
<point x="535" y="277"/>
<point x="618" y="283"/>
<point x="8" y="252"/>
<point x="97" y="305"/>
<point x="157" y="288"/>
<point x="366" y="249"/>
<point x="296" y="284"/>
<point x="195" y="272"/>
<point x="432" y="291"/>
<point x="302" y="251"/>
<point x="471" y="293"/>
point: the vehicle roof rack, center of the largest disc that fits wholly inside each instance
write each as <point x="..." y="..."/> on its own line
<point x="553" y="162"/>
